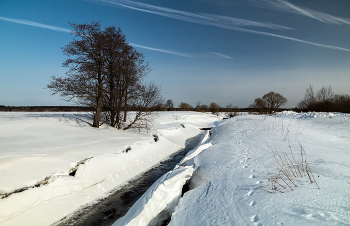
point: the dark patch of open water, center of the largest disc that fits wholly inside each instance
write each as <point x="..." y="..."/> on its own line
<point x="107" y="210"/>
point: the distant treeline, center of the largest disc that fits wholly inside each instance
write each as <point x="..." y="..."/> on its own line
<point x="45" y="108"/>
<point x="88" y="109"/>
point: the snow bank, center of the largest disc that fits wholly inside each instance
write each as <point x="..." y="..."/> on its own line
<point x="306" y="115"/>
<point x="235" y="172"/>
<point x="41" y="146"/>
<point x="159" y="201"/>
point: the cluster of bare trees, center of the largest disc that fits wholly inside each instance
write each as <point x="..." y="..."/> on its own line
<point x="324" y="100"/>
<point x="213" y="108"/>
<point x="106" y="73"/>
<point x="269" y="103"/>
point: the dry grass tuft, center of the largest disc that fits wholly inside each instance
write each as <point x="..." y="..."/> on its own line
<point x="291" y="171"/>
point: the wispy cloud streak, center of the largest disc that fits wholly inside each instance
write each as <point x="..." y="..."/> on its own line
<point x="212" y="20"/>
<point x="35" y="24"/>
<point x="162" y="50"/>
<point x="243" y="23"/>
<point x="201" y="55"/>
<point x="54" y="28"/>
<point x="286" y="6"/>
<point x="222" y="55"/>
<point x="206" y="19"/>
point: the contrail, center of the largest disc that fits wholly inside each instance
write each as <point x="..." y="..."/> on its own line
<point x="35" y="24"/>
<point x="205" y="19"/>
<point x="286" y="6"/>
<point x="54" y="28"/>
<point x="210" y="54"/>
<point x="162" y="50"/>
<point x="222" y="55"/>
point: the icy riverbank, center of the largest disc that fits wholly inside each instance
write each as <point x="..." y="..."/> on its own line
<point x="234" y="178"/>
<point x="50" y="145"/>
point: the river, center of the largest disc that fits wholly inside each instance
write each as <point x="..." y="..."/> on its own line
<point x="107" y="210"/>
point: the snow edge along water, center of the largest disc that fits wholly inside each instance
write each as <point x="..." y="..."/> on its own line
<point x="160" y="200"/>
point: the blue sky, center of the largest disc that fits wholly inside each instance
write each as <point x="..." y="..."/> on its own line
<point x="223" y="51"/>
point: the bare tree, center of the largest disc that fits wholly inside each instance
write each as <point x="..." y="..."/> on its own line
<point x="341" y="103"/>
<point x="274" y="101"/>
<point x="269" y="103"/>
<point x="198" y="105"/>
<point x="259" y="105"/>
<point x="325" y="94"/>
<point x="169" y="104"/>
<point x="214" y="108"/>
<point x="126" y="69"/>
<point x="325" y="100"/>
<point x="84" y="79"/>
<point x="149" y="97"/>
<point x="309" y="98"/>
<point x="232" y="110"/>
<point x="106" y="73"/>
<point x="185" y="106"/>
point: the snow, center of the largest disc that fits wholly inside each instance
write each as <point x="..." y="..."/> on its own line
<point x="239" y="191"/>
<point x="230" y="171"/>
<point x="39" y="146"/>
<point x="233" y="168"/>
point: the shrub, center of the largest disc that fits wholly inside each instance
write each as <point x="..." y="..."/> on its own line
<point x="214" y="108"/>
<point x="269" y="103"/>
<point x="185" y="106"/>
<point x="325" y="100"/>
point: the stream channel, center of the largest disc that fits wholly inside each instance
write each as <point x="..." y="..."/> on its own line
<point x="109" y="209"/>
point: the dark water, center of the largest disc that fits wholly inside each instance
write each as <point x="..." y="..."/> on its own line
<point x="109" y="209"/>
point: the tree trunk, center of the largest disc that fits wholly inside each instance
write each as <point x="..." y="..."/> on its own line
<point x="99" y="99"/>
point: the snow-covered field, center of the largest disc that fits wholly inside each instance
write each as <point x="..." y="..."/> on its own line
<point x="232" y="172"/>
<point x="38" y="150"/>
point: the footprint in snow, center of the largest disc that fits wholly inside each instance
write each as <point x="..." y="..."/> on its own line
<point x="245" y="166"/>
<point x="250" y="193"/>
<point x="254" y="218"/>
<point x="252" y="176"/>
<point x="252" y="203"/>
<point x="258" y="182"/>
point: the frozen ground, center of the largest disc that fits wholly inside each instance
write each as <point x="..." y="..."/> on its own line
<point x="39" y="150"/>
<point x="233" y="171"/>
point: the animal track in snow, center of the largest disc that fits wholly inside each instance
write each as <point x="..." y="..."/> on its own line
<point x="250" y="193"/>
<point x="252" y="176"/>
<point x="252" y="203"/>
<point x="254" y="218"/>
<point x="258" y="182"/>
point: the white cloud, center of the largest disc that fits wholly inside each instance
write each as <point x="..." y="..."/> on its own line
<point x="35" y="24"/>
